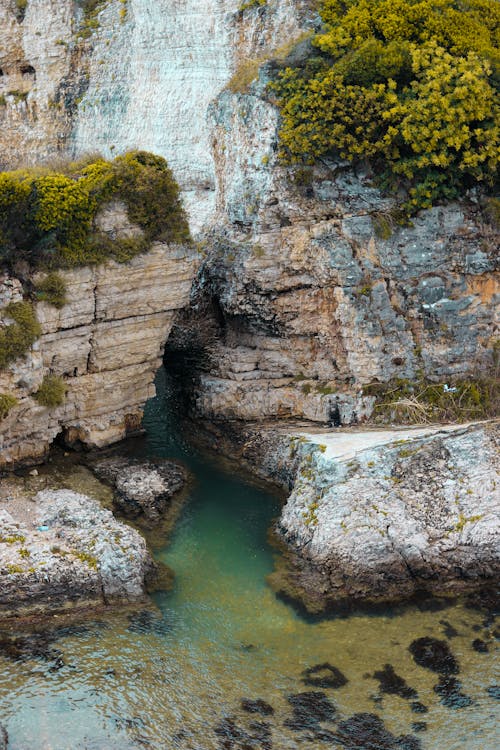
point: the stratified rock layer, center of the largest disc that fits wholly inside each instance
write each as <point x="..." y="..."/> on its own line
<point x="106" y="342"/>
<point x="314" y="290"/>
<point x="68" y="552"/>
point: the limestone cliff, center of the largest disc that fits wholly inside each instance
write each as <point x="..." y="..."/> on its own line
<point x="314" y="290"/>
<point x="139" y="73"/>
<point x="106" y="343"/>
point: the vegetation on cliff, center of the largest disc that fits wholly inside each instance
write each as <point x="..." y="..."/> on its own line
<point x="410" y="85"/>
<point x="19" y="334"/>
<point x="48" y="216"/>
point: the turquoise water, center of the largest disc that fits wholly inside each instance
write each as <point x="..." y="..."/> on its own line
<point x="167" y="677"/>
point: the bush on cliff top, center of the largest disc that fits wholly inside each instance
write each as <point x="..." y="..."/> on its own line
<point x="410" y="85"/>
<point x="47" y="217"/>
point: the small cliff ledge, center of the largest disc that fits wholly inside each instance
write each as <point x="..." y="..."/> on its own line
<point x="106" y="343"/>
<point x="382" y="515"/>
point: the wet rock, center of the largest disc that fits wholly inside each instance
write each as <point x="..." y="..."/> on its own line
<point x="142" y="488"/>
<point x="4" y="738"/>
<point x="392" y="683"/>
<point x="419" y="726"/>
<point x="448" y="630"/>
<point x="494" y="692"/>
<point x="309" y="709"/>
<point x="148" y="621"/>
<point x="434" y="654"/>
<point x="257" y="706"/>
<point x="448" y="689"/>
<point x="418" y="708"/>
<point x="480" y="646"/>
<point x="366" y="731"/>
<point x="324" y="676"/>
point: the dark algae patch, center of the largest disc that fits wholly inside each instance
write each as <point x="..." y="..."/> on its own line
<point x="480" y="646"/>
<point x="450" y="694"/>
<point x="309" y="709"/>
<point x="257" y="706"/>
<point x="365" y="731"/>
<point x="392" y="683"/>
<point x="434" y="654"/>
<point x="324" y="676"/>
<point x="418" y="708"/>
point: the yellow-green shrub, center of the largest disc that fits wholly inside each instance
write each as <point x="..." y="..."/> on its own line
<point x="7" y="402"/>
<point x="47" y="217"/>
<point x="52" y="289"/>
<point x="17" y="337"/>
<point x="412" y="85"/>
<point x="52" y="391"/>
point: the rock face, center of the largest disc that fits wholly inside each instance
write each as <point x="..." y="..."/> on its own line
<point x="106" y="343"/>
<point x="313" y="290"/>
<point x="66" y="551"/>
<point x="143" y="489"/>
<point x="142" y="76"/>
<point x="384" y="518"/>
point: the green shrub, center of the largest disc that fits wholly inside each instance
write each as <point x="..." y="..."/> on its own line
<point x="52" y="289"/>
<point x="7" y="402"/>
<point x="412" y="86"/>
<point x="47" y="217"/>
<point x="52" y="391"/>
<point x="17" y="337"/>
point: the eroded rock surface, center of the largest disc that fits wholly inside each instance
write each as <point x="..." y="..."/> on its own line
<point x="142" y="488"/>
<point x="63" y="550"/>
<point x="394" y="519"/>
<point x="106" y="343"/>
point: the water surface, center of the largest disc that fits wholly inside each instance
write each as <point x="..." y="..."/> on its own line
<point x="166" y="677"/>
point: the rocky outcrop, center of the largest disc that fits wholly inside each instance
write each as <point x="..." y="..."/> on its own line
<point x="142" y="489"/>
<point x="61" y="550"/>
<point x="315" y="290"/>
<point x="380" y="516"/>
<point x="106" y="343"/>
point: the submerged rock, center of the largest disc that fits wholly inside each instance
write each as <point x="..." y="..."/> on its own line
<point x="325" y="676"/>
<point x="73" y="554"/>
<point x="494" y="691"/>
<point x="434" y="654"/>
<point x="4" y="738"/>
<point x="392" y="683"/>
<point x="149" y="621"/>
<point x="142" y="488"/>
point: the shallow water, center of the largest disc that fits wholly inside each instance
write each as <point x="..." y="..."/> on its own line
<point x="166" y="677"/>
